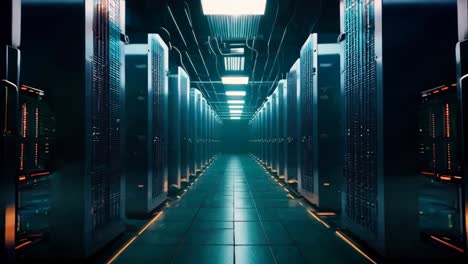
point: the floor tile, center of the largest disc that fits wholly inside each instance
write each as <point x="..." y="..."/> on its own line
<point x="254" y="255"/>
<point x="249" y="233"/>
<point x="211" y="237"/>
<point x="205" y="255"/>
<point x="245" y="215"/>
<point x="288" y="255"/>
<point x="276" y="233"/>
<point x="244" y="204"/>
<point x="215" y="214"/>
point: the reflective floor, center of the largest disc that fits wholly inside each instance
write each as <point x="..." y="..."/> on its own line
<point x="236" y="213"/>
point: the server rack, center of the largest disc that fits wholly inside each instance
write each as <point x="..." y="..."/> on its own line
<point x="184" y="127"/>
<point x="274" y="132"/>
<point x="178" y="82"/>
<point x="83" y="80"/>
<point x="263" y="136"/>
<point x="291" y="124"/>
<point x="438" y="147"/>
<point x="269" y="133"/>
<point x="37" y="133"/>
<point x="198" y="134"/>
<point x="211" y="124"/>
<point x="194" y="124"/>
<point x="204" y="112"/>
<point x="259" y="136"/>
<point x="382" y="77"/>
<point x="439" y="163"/>
<point x="10" y="18"/>
<point x="308" y="163"/>
<point x="282" y="137"/>
<point x="321" y="107"/>
<point x="209" y="130"/>
<point x="253" y="136"/>
<point x="219" y="127"/>
<point x="146" y="120"/>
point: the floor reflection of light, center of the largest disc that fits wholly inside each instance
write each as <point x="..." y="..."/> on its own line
<point x="349" y="242"/>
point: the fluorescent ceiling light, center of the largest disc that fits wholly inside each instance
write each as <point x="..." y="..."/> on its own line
<point x="235" y="93"/>
<point x="236" y="107"/>
<point x="233" y="8"/>
<point x="235" y="117"/>
<point x="239" y="80"/>
<point x="236" y="101"/>
<point x="236" y="111"/>
<point x="234" y="28"/>
<point x="237" y="51"/>
<point x="234" y="63"/>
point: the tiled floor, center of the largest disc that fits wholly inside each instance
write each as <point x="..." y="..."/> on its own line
<point x="236" y="213"/>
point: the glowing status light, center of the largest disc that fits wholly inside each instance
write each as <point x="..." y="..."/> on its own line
<point x="236" y="111"/>
<point x="235" y="80"/>
<point x="236" y="101"/>
<point x="233" y="8"/>
<point x="236" y="93"/>
<point x="236" y="107"/>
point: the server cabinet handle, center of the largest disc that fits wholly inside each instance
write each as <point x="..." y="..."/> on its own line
<point x="9" y="97"/>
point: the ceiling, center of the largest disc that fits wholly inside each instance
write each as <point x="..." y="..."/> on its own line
<point x="269" y="52"/>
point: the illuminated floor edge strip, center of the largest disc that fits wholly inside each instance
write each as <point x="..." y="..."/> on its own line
<point x="349" y="242"/>
<point x="318" y="219"/>
<point x="134" y="238"/>
<point x="445" y="243"/>
<point x="23" y="245"/>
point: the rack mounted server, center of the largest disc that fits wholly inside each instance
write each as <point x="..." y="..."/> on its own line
<point x="282" y="138"/>
<point x="36" y="168"/>
<point x="178" y="85"/>
<point x="291" y="123"/>
<point x="84" y="82"/>
<point x="194" y="130"/>
<point x="321" y="118"/>
<point x="146" y="131"/>
<point x="274" y="131"/>
<point x="382" y="78"/>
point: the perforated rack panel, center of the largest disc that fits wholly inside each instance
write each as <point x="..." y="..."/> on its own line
<point x="282" y="136"/>
<point x="159" y="83"/>
<point x="105" y="168"/>
<point x="291" y="123"/>
<point x="308" y="71"/>
<point x="184" y="89"/>
<point x="361" y="114"/>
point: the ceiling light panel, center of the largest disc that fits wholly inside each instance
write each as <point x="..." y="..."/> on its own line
<point x="233" y="8"/>
<point x="236" y="111"/>
<point x="234" y="63"/>
<point x="234" y="28"/>
<point x="237" y="51"/>
<point x="235" y="93"/>
<point x="236" y="101"/>
<point x="235" y="80"/>
<point x="236" y="107"/>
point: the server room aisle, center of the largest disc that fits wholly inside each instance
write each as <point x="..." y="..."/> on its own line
<point x="236" y="213"/>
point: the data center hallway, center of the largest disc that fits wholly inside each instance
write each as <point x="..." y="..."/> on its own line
<point x="236" y="213"/>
